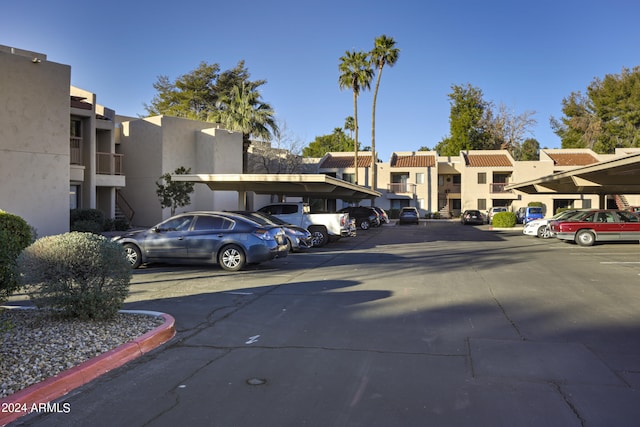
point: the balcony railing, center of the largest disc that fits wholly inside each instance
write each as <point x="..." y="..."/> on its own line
<point x="109" y="163"/>
<point x="498" y="187"/>
<point x="401" y="187"/>
<point x="76" y="150"/>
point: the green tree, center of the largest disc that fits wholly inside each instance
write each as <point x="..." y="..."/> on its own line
<point x="243" y="111"/>
<point x="384" y="53"/>
<point x="349" y="125"/>
<point x="606" y="117"/>
<point x="336" y="141"/>
<point x="174" y="194"/>
<point x="355" y="74"/>
<point x="465" y="120"/>
<point x="529" y="150"/>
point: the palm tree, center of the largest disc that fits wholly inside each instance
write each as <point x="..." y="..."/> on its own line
<point x="242" y="111"/>
<point x="355" y="74"/>
<point x="349" y="125"/>
<point x="384" y="52"/>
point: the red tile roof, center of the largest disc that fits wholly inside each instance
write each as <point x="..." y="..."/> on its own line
<point x="572" y="159"/>
<point x="487" y="160"/>
<point x="413" y="161"/>
<point x="345" y="162"/>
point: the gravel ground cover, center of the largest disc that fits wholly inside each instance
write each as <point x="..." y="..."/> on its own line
<point x="35" y="345"/>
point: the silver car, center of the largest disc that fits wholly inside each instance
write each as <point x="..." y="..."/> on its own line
<point x="222" y="238"/>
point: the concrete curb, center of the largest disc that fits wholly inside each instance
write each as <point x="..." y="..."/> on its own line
<point x="21" y="403"/>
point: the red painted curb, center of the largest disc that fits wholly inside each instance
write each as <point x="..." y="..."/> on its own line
<point x="22" y="402"/>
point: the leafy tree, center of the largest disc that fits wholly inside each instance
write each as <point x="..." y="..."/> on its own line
<point x="465" y="120"/>
<point x="384" y="53"/>
<point x="337" y="141"/>
<point x="529" y="150"/>
<point x="606" y="117"/>
<point x="174" y="194"/>
<point x="424" y="148"/>
<point x="355" y="74"/>
<point x="195" y="95"/>
<point x="243" y="111"/>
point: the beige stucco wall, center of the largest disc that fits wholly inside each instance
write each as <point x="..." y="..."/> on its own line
<point x="157" y="145"/>
<point x="34" y="139"/>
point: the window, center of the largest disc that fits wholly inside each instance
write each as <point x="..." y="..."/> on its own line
<point x="180" y="223"/>
<point x="482" y="204"/>
<point x="419" y="178"/>
<point x="457" y="179"/>
<point x="482" y="177"/>
<point x="74" y="196"/>
<point x="349" y="177"/>
<point x="212" y="223"/>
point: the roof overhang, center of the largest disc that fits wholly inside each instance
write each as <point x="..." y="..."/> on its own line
<point x="617" y="176"/>
<point x="295" y="185"/>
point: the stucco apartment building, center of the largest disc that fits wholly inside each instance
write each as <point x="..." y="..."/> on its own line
<point x="449" y="185"/>
<point x="60" y="149"/>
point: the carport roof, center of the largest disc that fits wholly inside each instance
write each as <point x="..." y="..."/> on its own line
<point x="296" y="185"/>
<point x="617" y="176"/>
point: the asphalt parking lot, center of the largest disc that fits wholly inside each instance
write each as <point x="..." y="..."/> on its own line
<point x="438" y="324"/>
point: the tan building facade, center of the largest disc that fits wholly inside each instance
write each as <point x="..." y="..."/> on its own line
<point x="34" y="139"/>
<point x="157" y="145"/>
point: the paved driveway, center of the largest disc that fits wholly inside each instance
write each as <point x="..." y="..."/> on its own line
<point x="443" y="325"/>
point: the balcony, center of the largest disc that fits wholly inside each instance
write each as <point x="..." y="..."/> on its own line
<point x="109" y="163"/>
<point x="498" y="187"/>
<point x="75" y="150"/>
<point x="401" y="187"/>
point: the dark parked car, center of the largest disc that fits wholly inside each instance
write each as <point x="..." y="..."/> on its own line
<point x="365" y="216"/>
<point x="222" y="238"/>
<point x="598" y="225"/>
<point x="408" y="215"/>
<point x="298" y="238"/>
<point x="472" y="216"/>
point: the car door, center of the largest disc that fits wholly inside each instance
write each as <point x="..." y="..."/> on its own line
<point x="206" y="236"/>
<point x="629" y="225"/>
<point x="607" y="226"/>
<point x="166" y="241"/>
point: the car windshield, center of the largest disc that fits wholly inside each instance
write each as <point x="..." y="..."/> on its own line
<point x="535" y="210"/>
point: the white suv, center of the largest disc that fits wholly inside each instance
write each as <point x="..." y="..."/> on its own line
<point x="494" y="210"/>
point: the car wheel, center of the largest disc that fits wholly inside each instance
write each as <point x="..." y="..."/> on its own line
<point x="231" y="258"/>
<point x="133" y="255"/>
<point x="319" y="235"/>
<point x="365" y="224"/>
<point x="289" y="245"/>
<point x="585" y="238"/>
<point x="541" y="232"/>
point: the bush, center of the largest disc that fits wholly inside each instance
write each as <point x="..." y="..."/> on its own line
<point x="79" y="220"/>
<point x="87" y="226"/>
<point x="83" y="275"/>
<point x="504" y="220"/>
<point x="15" y="235"/>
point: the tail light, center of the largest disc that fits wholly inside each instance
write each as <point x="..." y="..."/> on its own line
<point x="263" y="234"/>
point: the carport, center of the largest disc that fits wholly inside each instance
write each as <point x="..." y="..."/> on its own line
<point x="318" y="186"/>
<point x="617" y="176"/>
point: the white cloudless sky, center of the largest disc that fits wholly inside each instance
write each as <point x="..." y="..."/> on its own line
<point x="525" y="55"/>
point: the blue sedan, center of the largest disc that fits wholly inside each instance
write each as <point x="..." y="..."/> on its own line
<point x="222" y="238"/>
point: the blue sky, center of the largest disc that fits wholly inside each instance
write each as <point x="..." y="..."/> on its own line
<point x="525" y="55"/>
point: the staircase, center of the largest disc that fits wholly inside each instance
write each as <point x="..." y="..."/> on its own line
<point x="123" y="208"/>
<point x="621" y="202"/>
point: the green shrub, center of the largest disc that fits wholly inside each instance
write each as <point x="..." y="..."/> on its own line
<point x="84" y="215"/>
<point x="82" y="275"/>
<point x="504" y="220"/>
<point x="87" y="226"/>
<point x="116" y="224"/>
<point x="15" y="235"/>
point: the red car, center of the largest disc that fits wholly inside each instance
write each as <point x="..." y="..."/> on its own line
<point x="598" y="226"/>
